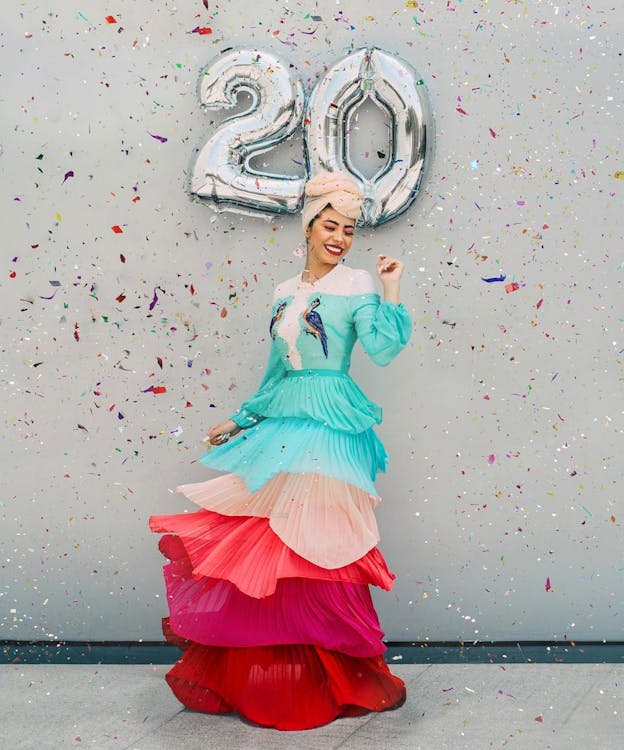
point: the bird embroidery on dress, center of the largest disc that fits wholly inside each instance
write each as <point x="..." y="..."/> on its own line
<point x="276" y="318"/>
<point x="314" y="323"/>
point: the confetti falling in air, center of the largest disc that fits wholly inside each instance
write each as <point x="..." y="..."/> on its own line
<point x="154" y="301"/>
<point x="125" y="341"/>
<point x="492" y="279"/>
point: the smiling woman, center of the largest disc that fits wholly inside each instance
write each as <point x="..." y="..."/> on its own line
<point x="268" y="584"/>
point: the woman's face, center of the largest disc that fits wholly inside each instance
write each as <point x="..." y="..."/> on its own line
<point x="330" y="236"/>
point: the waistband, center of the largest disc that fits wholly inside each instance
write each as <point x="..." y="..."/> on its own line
<point x="310" y="372"/>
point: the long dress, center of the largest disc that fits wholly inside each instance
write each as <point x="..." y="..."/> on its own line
<point x="268" y="583"/>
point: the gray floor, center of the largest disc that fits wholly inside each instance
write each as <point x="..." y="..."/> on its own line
<point x="480" y="706"/>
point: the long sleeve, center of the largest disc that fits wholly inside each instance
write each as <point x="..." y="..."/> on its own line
<point x="246" y="416"/>
<point x="382" y="327"/>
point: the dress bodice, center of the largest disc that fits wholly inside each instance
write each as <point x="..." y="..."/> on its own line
<point x="313" y="330"/>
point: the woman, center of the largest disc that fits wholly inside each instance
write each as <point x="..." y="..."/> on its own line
<point x="268" y="584"/>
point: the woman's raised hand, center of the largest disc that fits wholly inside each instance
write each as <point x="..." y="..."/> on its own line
<point x="389" y="271"/>
<point x="222" y="432"/>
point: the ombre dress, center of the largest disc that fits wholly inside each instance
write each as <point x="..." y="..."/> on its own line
<point x="268" y="583"/>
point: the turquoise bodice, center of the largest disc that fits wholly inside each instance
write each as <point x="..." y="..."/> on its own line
<point x="313" y="330"/>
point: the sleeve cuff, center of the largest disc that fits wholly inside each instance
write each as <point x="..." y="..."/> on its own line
<point x="245" y="419"/>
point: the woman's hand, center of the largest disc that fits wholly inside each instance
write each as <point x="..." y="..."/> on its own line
<point x="222" y="432"/>
<point x="389" y="271"/>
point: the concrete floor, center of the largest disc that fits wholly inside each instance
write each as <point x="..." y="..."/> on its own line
<point x="449" y="707"/>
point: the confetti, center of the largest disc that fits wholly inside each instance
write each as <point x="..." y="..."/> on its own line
<point x="156" y="389"/>
<point x="117" y="229"/>
<point x="513" y="287"/>
<point x="547" y="586"/>
<point x="492" y="279"/>
<point x="154" y="300"/>
<point x="160" y="138"/>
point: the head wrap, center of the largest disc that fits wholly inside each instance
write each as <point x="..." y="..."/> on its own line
<point x="336" y="188"/>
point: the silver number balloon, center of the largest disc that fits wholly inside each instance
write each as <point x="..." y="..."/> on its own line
<point x="394" y="86"/>
<point x="221" y="173"/>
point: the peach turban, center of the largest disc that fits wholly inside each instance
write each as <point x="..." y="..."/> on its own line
<point x="336" y="188"/>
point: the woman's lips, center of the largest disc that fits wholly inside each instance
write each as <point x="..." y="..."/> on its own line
<point x="333" y="250"/>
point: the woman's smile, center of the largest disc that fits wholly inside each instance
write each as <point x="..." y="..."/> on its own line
<point x="334" y="249"/>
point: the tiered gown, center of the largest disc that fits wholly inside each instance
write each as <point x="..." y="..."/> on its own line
<point x="268" y="583"/>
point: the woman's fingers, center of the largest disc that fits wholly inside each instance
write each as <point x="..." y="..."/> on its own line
<point x="386" y="264"/>
<point x="217" y="434"/>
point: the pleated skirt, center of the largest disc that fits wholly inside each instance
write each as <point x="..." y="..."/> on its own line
<point x="268" y="582"/>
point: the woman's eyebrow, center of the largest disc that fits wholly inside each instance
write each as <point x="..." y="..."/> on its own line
<point x="346" y="226"/>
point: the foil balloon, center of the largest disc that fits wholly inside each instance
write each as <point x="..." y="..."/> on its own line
<point x="221" y="173"/>
<point x="394" y="86"/>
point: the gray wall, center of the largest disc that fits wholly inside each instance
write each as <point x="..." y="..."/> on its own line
<point x="532" y="378"/>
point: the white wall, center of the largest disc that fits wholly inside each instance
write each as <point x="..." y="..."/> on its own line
<point x="487" y="372"/>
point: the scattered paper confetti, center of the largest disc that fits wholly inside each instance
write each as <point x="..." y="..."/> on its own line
<point x="492" y="279"/>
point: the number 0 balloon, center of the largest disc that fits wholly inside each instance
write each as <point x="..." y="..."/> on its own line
<point x="222" y="174"/>
<point x="393" y="86"/>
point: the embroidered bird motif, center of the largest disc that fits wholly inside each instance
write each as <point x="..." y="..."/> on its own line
<point x="314" y="323"/>
<point x="279" y="314"/>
